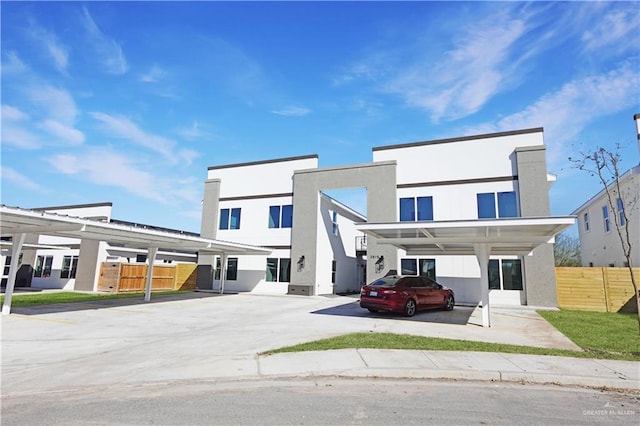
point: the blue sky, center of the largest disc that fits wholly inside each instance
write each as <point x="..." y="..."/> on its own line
<point x="131" y="102"/>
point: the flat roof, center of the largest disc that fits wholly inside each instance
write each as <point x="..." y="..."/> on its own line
<point x="17" y="221"/>
<point x="509" y="236"/>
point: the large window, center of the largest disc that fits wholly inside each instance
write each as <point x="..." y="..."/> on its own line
<point x="418" y="208"/>
<point x="69" y="266"/>
<point x="232" y="269"/>
<point x="620" y="207"/>
<point x="605" y="217"/>
<point x="281" y="216"/>
<point x="278" y="270"/>
<point x="7" y="266"/>
<point x="43" y="266"/>
<point x="334" y="223"/>
<point x="421" y="267"/>
<point x="506" y="203"/>
<point x="505" y="274"/>
<point x="230" y="218"/>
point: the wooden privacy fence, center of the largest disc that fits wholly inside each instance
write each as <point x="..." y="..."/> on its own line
<point x="596" y="289"/>
<point x="118" y="277"/>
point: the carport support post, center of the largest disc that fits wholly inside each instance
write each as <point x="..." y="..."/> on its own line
<point x="223" y="272"/>
<point x="151" y="257"/>
<point x="17" y="242"/>
<point x="482" y="254"/>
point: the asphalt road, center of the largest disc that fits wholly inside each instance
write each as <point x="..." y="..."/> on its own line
<point x="328" y="401"/>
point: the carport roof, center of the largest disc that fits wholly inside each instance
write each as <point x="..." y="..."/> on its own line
<point x="18" y="221"/>
<point x="509" y="236"/>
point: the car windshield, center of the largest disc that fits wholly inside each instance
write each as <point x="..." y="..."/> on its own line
<point x="385" y="282"/>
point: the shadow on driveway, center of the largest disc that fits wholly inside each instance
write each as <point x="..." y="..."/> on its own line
<point x="459" y="315"/>
<point x="109" y="303"/>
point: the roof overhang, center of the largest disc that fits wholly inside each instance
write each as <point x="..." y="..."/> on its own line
<point x="20" y="221"/>
<point x="509" y="236"/>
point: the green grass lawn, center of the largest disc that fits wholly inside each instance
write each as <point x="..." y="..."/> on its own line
<point x="615" y="337"/>
<point x="69" y="297"/>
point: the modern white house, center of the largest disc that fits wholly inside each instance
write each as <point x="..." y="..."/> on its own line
<point x="492" y="190"/>
<point x="599" y="218"/>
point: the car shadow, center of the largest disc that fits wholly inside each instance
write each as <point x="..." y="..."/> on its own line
<point x="110" y="303"/>
<point x="459" y="315"/>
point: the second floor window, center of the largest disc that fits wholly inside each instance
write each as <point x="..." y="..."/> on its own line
<point x="230" y="218"/>
<point x="620" y="207"/>
<point x="507" y="205"/>
<point x="418" y="208"/>
<point x="605" y="217"/>
<point x="281" y="216"/>
<point x="587" y="226"/>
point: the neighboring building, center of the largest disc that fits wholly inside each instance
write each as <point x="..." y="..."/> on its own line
<point x="280" y="204"/>
<point x="45" y="265"/>
<point x="597" y="220"/>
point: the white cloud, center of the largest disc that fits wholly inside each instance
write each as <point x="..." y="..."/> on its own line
<point x="19" y="137"/>
<point x="617" y="29"/>
<point x="565" y="113"/>
<point x="12" y="64"/>
<point x="58" y="104"/>
<point x="154" y="75"/>
<point x="57" y="51"/>
<point x="109" y="51"/>
<point x="466" y="77"/>
<point x="10" y="175"/>
<point x="193" y="132"/>
<point x="12" y="113"/>
<point x="103" y="166"/>
<point x="122" y="127"/>
<point x="292" y="111"/>
<point x="66" y="133"/>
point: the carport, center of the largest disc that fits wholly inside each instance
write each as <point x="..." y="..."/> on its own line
<point x="482" y="238"/>
<point x="17" y="223"/>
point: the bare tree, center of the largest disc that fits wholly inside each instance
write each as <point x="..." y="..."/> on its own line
<point x="605" y="165"/>
<point x="566" y="250"/>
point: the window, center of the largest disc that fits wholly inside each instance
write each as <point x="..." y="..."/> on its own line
<point x="605" y="216"/>
<point x="280" y="216"/>
<point x="69" y="266"/>
<point x="7" y="266"/>
<point x="43" y="266"/>
<point x="232" y="269"/>
<point x="620" y="207"/>
<point x="334" y="223"/>
<point x="585" y="218"/>
<point x="278" y="270"/>
<point x="507" y="204"/>
<point x="410" y="267"/>
<point x="505" y="274"/>
<point x="419" y="208"/>
<point x="230" y="218"/>
<point x="333" y="271"/>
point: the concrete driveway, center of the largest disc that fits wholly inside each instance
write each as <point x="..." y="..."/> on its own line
<point x="202" y="335"/>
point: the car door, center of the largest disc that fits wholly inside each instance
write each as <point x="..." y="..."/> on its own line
<point x="420" y="290"/>
<point x="432" y="292"/>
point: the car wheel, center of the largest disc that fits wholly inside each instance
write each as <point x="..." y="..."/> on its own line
<point x="372" y="310"/>
<point x="449" y="303"/>
<point x="409" y="308"/>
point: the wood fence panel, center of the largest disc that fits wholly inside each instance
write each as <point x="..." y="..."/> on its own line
<point x="132" y="278"/>
<point x="163" y="278"/>
<point x="185" y="276"/>
<point x="619" y="289"/>
<point x="581" y="289"/>
<point x="109" y="277"/>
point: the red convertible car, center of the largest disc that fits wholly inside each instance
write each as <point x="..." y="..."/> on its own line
<point x="405" y="294"/>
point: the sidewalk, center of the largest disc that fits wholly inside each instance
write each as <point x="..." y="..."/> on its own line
<point x="488" y="366"/>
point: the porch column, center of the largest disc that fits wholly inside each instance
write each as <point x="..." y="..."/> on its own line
<point x="16" y="247"/>
<point x="483" y="251"/>
<point x="223" y="272"/>
<point x="151" y="256"/>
